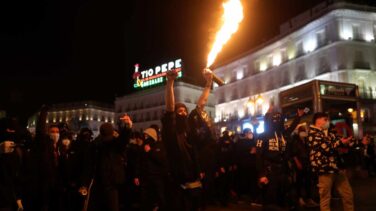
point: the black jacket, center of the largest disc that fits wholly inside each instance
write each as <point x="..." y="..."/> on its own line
<point x="203" y="139"/>
<point x="107" y="163"/>
<point x="153" y="163"/>
<point x="9" y="187"/>
<point x="273" y="151"/>
<point x="226" y="152"/>
<point x="243" y="153"/>
<point x="181" y="155"/>
<point x="300" y="150"/>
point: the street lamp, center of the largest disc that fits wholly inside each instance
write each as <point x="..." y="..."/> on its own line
<point x="254" y="103"/>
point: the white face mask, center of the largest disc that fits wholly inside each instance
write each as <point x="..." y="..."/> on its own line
<point x="303" y="134"/>
<point x="55" y="137"/>
<point x="65" y="142"/>
<point x="326" y="126"/>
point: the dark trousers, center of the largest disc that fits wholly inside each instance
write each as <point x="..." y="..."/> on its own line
<point x="104" y="198"/>
<point x="243" y="179"/>
<point x="275" y="192"/>
<point x="223" y="188"/>
<point x="153" y="193"/>
<point x="191" y="199"/>
<point x="208" y="189"/>
<point x="71" y="199"/>
<point x="51" y="199"/>
<point x="304" y="183"/>
<point x="247" y="181"/>
<point x="369" y="164"/>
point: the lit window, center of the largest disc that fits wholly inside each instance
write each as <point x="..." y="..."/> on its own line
<point x="310" y="45"/>
<point x="217" y="119"/>
<point x="369" y="37"/>
<point x="277" y="59"/>
<point x="346" y="33"/>
<point x="251" y="108"/>
<point x="239" y="75"/>
<point x="263" y="66"/>
<point x="291" y="53"/>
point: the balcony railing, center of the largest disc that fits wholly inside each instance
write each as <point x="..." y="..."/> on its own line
<point x="362" y="65"/>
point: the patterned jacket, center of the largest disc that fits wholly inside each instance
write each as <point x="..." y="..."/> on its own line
<point x="323" y="151"/>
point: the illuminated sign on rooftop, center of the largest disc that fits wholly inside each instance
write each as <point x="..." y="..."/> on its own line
<point x="157" y="75"/>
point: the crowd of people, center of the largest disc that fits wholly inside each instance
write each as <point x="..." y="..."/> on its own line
<point x="181" y="166"/>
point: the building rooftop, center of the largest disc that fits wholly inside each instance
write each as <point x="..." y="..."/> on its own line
<point x="303" y="19"/>
<point x="160" y="88"/>
<point x="82" y="104"/>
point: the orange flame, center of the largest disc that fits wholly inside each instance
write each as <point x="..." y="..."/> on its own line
<point x="232" y="16"/>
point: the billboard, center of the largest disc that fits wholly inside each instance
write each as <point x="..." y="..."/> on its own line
<point x="156" y="75"/>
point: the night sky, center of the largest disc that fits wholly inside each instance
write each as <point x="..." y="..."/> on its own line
<point x="56" y="51"/>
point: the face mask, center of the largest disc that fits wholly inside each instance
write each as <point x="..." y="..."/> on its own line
<point x="66" y="142"/>
<point x="275" y="123"/>
<point x="326" y="126"/>
<point x="55" y="137"/>
<point x="303" y="134"/>
<point x="181" y="123"/>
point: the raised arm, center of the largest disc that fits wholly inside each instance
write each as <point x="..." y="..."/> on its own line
<point x="169" y="93"/>
<point x="41" y="127"/>
<point x="208" y="75"/>
<point x="295" y="123"/>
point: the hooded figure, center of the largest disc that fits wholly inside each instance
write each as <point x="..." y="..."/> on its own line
<point x="107" y="166"/>
<point x="181" y="118"/>
<point x="151" y="171"/>
<point x="272" y="157"/>
<point x="10" y="160"/>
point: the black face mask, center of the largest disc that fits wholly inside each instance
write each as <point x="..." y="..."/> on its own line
<point x="181" y="123"/>
<point x="275" y="123"/>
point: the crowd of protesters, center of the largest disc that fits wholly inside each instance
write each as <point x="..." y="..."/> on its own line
<point x="181" y="166"/>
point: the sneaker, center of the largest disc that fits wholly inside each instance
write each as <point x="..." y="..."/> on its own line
<point x="302" y="202"/>
<point x="310" y="203"/>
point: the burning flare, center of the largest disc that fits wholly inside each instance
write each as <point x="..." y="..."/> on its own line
<point x="232" y="17"/>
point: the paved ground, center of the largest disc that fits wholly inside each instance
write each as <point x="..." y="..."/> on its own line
<point x="364" y="196"/>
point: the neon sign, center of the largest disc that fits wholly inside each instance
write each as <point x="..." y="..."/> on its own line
<point x="157" y="75"/>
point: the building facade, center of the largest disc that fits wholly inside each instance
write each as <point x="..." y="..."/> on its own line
<point x="147" y="107"/>
<point x="77" y="115"/>
<point x="330" y="42"/>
